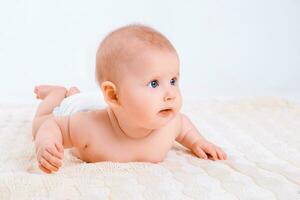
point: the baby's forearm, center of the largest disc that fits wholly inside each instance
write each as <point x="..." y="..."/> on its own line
<point x="189" y="138"/>
<point x="48" y="132"/>
<point x="48" y="146"/>
<point x="189" y="134"/>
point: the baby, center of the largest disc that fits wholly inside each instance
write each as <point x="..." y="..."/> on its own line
<point x="137" y="69"/>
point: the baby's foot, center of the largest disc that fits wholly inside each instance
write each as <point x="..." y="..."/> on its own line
<point x="42" y="91"/>
<point x="72" y="91"/>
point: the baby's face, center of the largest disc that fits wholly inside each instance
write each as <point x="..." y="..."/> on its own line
<point x="149" y="90"/>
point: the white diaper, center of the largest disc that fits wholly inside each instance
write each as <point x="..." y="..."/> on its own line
<point x="80" y="102"/>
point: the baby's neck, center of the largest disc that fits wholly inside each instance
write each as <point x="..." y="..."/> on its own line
<point x="123" y="128"/>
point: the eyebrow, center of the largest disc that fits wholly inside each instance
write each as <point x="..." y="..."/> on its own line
<point x="158" y="77"/>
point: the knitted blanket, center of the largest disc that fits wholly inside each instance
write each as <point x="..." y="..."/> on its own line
<point x="261" y="137"/>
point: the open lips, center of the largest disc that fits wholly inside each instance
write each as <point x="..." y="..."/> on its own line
<point x="165" y="112"/>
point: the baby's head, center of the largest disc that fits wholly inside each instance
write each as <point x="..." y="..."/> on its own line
<point x="137" y="69"/>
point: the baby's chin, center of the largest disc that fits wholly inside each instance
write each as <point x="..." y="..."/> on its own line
<point x="162" y="118"/>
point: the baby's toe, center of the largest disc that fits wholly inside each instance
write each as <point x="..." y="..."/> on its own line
<point x="35" y="89"/>
<point x="72" y="91"/>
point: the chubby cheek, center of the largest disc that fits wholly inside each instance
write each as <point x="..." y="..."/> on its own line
<point x="142" y="105"/>
<point x="178" y="102"/>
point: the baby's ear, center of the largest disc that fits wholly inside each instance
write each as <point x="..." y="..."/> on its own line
<point x="109" y="90"/>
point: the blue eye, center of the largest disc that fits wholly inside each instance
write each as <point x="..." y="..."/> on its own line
<point x="153" y="84"/>
<point x="173" y="81"/>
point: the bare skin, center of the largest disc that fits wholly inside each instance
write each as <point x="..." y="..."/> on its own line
<point x="43" y="113"/>
<point x="95" y="136"/>
<point x="141" y="122"/>
<point x="98" y="134"/>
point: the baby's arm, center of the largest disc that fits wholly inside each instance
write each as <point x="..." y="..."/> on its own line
<point x="53" y="136"/>
<point x="192" y="139"/>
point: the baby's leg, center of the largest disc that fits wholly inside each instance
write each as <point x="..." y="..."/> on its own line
<point x="52" y="96"/>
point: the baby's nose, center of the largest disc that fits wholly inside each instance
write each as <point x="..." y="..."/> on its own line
<point x="169" y="96"/>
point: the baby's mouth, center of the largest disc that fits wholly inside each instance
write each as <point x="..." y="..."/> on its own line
<point x="165" y="112"/>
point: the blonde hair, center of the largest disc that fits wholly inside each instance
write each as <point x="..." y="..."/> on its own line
<point x="123" y="44"/>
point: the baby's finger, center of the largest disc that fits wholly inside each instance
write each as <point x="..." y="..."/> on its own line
<point x="224" y="155"/>
<point x="211" y="151"/>
<point x="52" y="159"/>
<point x="59" y="147"/>
<point x="200" y="153"/>
<point x="219" y="153"/>
<point x="47" y="165"/>
<point x="44" y="169"/>
<point x="55" y="152"/>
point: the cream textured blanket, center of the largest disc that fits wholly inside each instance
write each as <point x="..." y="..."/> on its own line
<point x="260" y="135"/>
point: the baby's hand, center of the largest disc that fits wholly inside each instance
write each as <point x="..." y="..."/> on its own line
<point x="203" y="147"/>
<point x="49" y="156"/>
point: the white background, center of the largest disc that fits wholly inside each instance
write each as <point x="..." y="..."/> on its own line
<point x="227" y="48"/>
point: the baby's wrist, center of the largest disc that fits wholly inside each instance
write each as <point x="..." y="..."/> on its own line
<point x="43" y="141"/>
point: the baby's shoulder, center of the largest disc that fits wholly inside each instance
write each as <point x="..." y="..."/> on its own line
<point x="94" y="117"/>
<point x="84" y="125"/>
